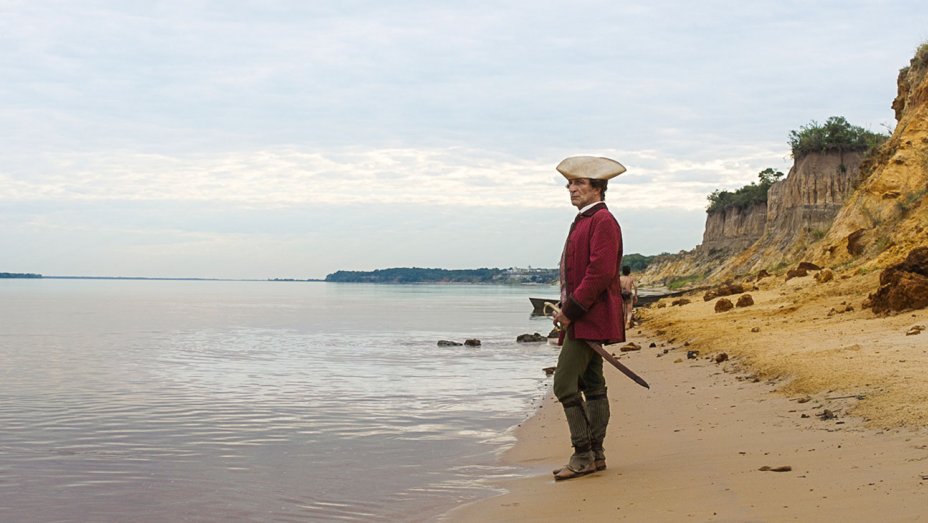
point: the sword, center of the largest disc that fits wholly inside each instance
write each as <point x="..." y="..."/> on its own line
<point x="598" y="348"/>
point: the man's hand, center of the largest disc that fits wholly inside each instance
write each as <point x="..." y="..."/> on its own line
<point x="561" y="322"/>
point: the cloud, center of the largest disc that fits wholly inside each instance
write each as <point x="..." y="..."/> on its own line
<point x="287" y="177"/>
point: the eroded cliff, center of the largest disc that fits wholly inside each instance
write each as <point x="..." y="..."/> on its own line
<point x="838" y="209"/>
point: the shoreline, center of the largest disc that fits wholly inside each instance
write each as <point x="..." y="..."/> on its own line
<point x="692" y="448"/>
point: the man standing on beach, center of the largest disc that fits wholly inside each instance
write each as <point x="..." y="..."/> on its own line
<point x="591" y="310"/>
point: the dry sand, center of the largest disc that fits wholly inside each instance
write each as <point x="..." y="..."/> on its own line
<point x="692" y="447"/>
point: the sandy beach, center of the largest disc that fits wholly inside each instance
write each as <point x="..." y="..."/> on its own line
<point x="834" y="402"/>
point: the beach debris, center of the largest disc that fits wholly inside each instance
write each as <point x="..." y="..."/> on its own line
<point x="745" y="300"/>
<point x="724" y="304"/>
<point x="755" y="329"/>
<point x="781" y="468"/>
<point x="725" y="289"/>
<point x="448" y="343"/>
<point x="903" y="286"/>
<point x="841" y="309"/>
<point x="720" y="357"/>
<point x="629" y="347"/>
<point x="549" y="370"/>
<point x="473" y="342"/>
<point x="915" y="329"/>
<point x="680" y="302"/>
<point x="826" y="415"/>
<point x="652" y="345"/>
<point x="531" y="338"/>
<point x="852" y="396"/>
<point x="692" y="354"/>
<point x="824" y="276"/>
<point x="924" y="477"/>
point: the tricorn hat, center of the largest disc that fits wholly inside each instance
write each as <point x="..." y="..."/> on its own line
<point x="593" y="167"/>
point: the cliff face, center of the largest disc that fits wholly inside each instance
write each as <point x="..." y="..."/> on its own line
<point x="888" y="217"/>
<point x="734" y="228"/>
<point x="798" y="211"/>
<point x="835" y="209"/>
<point x="813" y="192"/>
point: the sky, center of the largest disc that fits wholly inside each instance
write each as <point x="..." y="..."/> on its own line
<point x="292" y="139"/>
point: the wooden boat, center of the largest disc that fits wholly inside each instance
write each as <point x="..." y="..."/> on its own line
<point x="538" y="305"/>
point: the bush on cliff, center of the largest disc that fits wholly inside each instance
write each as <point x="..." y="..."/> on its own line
<point x="745" y="196"/>
<point x="835" y="135"/>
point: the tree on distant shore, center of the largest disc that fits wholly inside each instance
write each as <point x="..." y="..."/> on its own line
<point x="835" y="135"/>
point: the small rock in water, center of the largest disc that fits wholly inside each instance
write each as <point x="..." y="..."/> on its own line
<point x="473" y="342"/>
<point x="530" y="338"/>
<point x="448" y="343"/>
<point x="549" y="370"/>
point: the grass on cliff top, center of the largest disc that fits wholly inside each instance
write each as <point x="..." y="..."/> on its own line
<point x="835" y="135"/>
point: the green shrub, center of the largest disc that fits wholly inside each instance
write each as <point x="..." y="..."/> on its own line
<point x="746" y="196"/>
<point x="835" y="135"/>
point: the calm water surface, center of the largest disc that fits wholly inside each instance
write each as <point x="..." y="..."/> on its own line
<point x="257" y="401"/>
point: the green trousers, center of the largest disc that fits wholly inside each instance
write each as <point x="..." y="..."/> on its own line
<point x="579" y="368"/>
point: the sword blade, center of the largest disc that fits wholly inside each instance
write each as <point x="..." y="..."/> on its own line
<point x="617" y="364"/>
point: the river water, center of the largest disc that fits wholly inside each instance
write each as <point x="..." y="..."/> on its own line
<point x="171" y="401"/>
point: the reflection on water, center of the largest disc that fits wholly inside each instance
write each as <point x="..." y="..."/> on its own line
<point x="219" y="401"/>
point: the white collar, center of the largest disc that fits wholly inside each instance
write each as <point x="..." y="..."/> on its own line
<point x="590" y="206"/>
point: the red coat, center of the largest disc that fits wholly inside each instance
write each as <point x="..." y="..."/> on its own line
<point x="590" y="268"/>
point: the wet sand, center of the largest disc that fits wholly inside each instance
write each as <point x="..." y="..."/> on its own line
<point x="692" y="447"/>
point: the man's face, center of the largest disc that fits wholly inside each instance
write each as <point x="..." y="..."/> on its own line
<point x="582" y="192"/>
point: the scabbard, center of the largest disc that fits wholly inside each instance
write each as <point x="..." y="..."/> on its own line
<point x="598" y="347"/>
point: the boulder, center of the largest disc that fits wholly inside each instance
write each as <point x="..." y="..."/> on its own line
<point x="824" y="276"/>
<point x="531" y="338"/>
<point x="723" y="305"/>
<point x="725" y="289"/>
<point x="796" y="273"/>
<point x="680" y="301"/>
<point x="903" y="286"/>
<point x="745" y="300"/>
<point x="720" y="357"/>
<point x="809" y="266"/>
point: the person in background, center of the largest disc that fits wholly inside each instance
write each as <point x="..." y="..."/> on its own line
<point x="629" y="294"/>
<point x="591" y="310"/>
